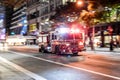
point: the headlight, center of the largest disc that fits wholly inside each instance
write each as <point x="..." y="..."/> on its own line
<point x="48" y="48"/>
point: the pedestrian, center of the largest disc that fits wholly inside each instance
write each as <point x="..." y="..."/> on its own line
<point x="111" y="45"/>
<point x="92" y="45"/>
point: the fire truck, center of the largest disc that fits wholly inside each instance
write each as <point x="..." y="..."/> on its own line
<point x="64" y="39"/>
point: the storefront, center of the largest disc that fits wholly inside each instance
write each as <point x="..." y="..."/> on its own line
<point x="103" y="35"/>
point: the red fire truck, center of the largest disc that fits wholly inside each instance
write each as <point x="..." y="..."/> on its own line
<point x="64" y="39"/>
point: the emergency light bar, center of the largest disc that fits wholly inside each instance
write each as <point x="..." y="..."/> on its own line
<point x="75" y="30"/>
<point x="63" y="30"/>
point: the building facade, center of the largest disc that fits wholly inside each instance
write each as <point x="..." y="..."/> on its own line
<point x="104" y="33"/>
<point x="39" y="13"/>
<point x="2" y="24"/>
<point x="17" y="25"/>
<point x="19" y="21"/>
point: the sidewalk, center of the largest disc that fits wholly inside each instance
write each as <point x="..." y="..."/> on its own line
<point x="102" y="53"/>
<point x="107" y="50"/>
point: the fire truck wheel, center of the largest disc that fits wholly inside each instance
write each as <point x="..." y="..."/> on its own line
<point x="57" y="50"/>
<point x="75" y="53"/>
<point x="42" y="51"/>
<point x="39" y="49"/>
<point x="52" y="52"/>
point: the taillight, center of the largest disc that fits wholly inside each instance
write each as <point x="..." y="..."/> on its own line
<point x="67" y="44"/>
<point x="81" y="43"/>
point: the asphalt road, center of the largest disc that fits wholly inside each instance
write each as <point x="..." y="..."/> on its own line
<point x="23" y="63"/>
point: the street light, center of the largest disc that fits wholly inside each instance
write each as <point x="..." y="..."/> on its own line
<point x="79" y="2"/>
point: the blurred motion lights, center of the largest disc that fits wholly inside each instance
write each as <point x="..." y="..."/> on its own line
<point x="64" y="30"/>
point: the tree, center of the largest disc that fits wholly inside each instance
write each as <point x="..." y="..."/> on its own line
<point x="64" y="11"/>
<point x="89" y="18"/>
<point x="110" y="9"/>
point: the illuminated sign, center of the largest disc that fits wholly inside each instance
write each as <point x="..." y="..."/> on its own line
<point x="32" y="27"/>
<point x="2" y="28"/>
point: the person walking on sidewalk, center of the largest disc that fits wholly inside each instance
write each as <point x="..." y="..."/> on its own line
<point x="111" y="45"/>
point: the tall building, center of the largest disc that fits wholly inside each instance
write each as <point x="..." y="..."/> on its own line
<point x="8" y="18"/>
<point x="17" y="25"/>
<point x="39" y="13"/>
<point x="19" y="21"/>
<point x="2" y="24"/>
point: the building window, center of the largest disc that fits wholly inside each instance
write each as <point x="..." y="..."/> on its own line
<point x="33" y="15"/>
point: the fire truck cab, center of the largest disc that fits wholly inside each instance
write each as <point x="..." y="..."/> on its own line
<point x="64" y="40"/>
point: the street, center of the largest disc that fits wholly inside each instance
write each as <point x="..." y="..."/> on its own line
<point x="59" y="40"/>
<point x="25" y="63"/>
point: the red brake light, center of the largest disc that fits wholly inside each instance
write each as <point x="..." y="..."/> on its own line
<point x="81" y="43"/>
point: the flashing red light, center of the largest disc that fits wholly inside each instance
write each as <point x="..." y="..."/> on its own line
<point x="63" y="30"/>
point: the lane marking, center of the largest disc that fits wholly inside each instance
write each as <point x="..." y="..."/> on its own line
<point x="27" y="72"/>
<point x="58" y="63"/>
